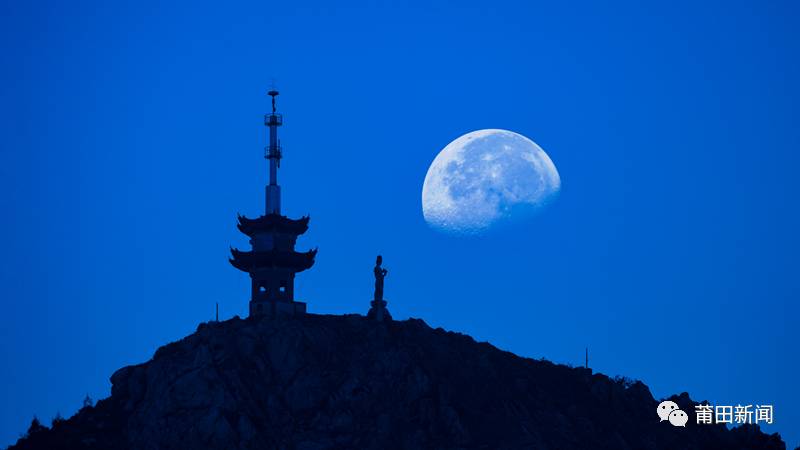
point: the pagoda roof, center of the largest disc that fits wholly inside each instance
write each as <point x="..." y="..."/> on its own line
<point x="252" y="260"/>
<point x="272" y="223"/>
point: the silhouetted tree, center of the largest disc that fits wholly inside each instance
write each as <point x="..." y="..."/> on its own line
<point x="35" y="427"/>
<point x="57" y="420"/>
<point x="87" y="402"/>
<point x="624" y="381"/>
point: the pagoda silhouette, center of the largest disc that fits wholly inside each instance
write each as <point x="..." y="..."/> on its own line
<point x="273" y="262"/>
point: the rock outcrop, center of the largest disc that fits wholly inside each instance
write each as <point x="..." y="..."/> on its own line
<point x="346" y="382"/>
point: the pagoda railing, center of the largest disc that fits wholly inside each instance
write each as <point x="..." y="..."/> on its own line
<point x="278" y="152"/>
<point x="273" y="119"/>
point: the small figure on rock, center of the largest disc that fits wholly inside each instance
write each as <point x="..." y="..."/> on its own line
<point x="377" y="308"/>
<point x="380" y="274"/>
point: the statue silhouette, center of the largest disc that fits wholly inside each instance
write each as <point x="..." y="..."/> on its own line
<point x="378" y="310"/>
<point x="380" y="274"/>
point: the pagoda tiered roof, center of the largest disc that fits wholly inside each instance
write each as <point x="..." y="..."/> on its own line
<point x="252" y="260"/>
<point x="272" y="223"/>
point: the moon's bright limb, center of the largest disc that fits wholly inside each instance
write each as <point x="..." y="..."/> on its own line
<point x="479" y="178"/>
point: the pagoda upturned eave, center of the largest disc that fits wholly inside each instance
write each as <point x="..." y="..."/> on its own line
<point x="253" y="260"/>
<point x="272" y="223"/>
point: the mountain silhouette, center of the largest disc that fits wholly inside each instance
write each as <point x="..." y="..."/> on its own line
<point x="346" y="382"/>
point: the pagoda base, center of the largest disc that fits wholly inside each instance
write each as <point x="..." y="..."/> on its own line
<point x="273" y="308"/>
<point x="378" y="311"/>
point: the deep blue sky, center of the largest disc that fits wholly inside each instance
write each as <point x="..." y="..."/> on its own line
<point x="132" y="135"/>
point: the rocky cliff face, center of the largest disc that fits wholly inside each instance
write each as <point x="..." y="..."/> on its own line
<point x="344" y="382"/>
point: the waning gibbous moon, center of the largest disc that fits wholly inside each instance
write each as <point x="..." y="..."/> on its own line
<point x="484" y="178"/>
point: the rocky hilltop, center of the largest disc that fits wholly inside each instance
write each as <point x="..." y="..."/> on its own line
<point x="345" y="382"/>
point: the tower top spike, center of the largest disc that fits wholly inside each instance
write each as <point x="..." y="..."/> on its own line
<point x="273" y="93"/>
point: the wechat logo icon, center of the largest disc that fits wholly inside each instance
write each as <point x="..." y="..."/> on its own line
<point x="669" y="411"/>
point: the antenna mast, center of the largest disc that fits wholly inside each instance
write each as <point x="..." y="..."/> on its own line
<point x="273" y="154"/>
